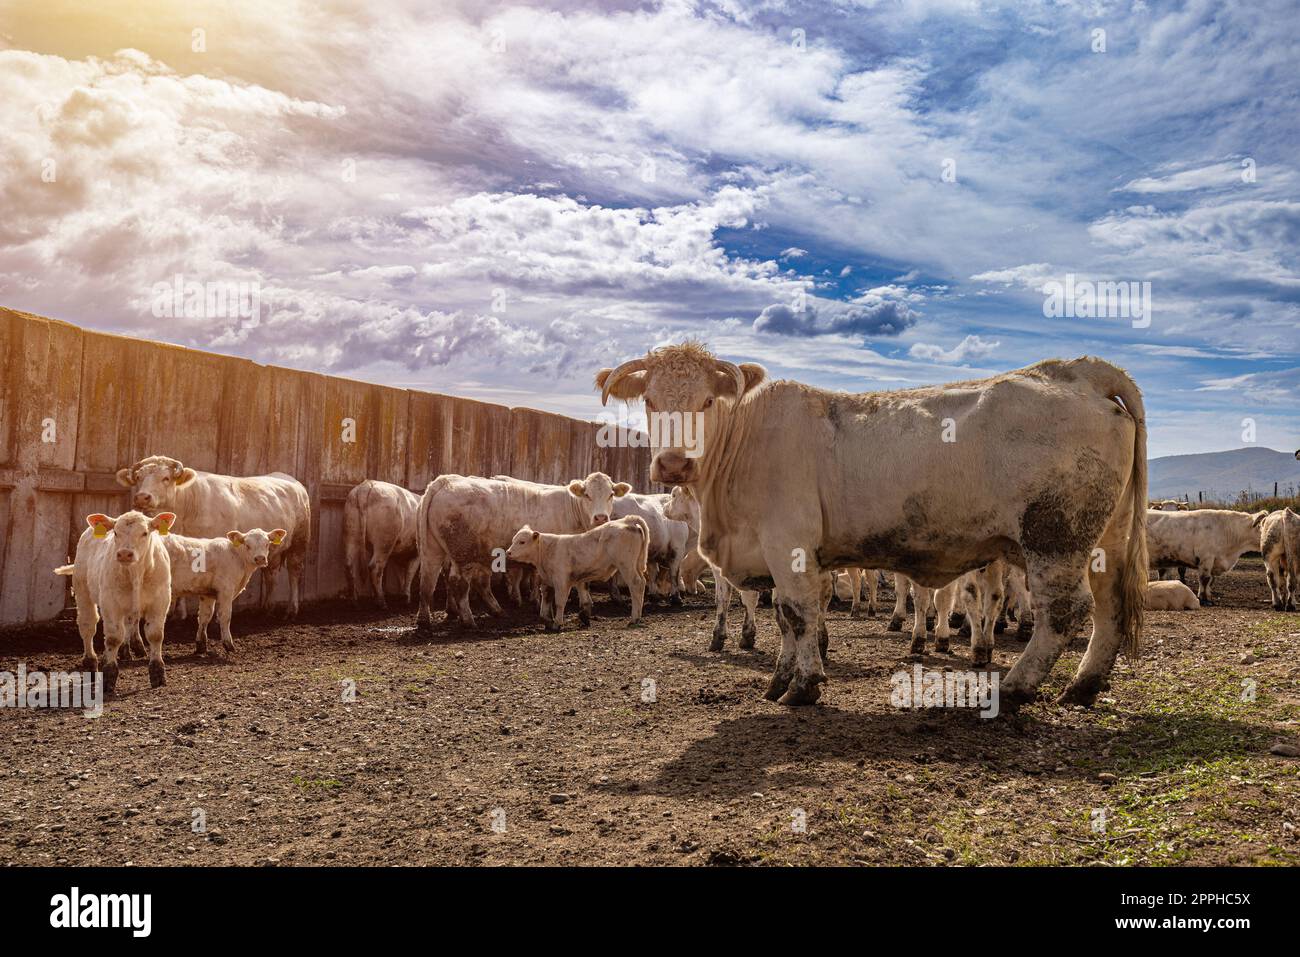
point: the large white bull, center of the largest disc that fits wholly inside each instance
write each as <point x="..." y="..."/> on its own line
<point x="209" y="506"/>
<point x="1207" y="539"/>
<point x="1039" y="466"/>
<point x="469" y="521"/>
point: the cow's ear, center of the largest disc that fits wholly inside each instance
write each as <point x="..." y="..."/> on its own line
<point x="125" y="477"/>
<point x="278" y="536"/>
<point x="536" y="535"/>
<point x="235" y="537"/>
<point x="630" y="386"/>
<point x="183" y="476"/>
<point x="1259" y="517"/>
<point x="755" y="375"/>
<point x="101" y="523"/>
<point x="162" y="522"/>
<point x="621" y="489"/>
<point x="576" y="488"/>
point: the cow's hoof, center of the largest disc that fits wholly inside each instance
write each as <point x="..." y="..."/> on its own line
<point x="90" y="663"/>
<point x="776" y="688"/>
<point x="675" y="600"/>
<point x="719" y="639"/>
<point x="1011" y="697"/>
<point x="157" y="674"/>
<point x="747" y="637"/>
<point x="854" y="614"/>
<point x="200" y="649"/>
<point x="940" y="647"/>
<point x="981" y="658"/>
<point x="585" y="619"/>
<point x="552" y="626"/>
<point x="228" y="648"/>
<point x="1082" y="692"/>
<point x="918" y="648"/>
<point x="110" y="678"/>
<point x="895" y="624"/>
<point x="802" y="691"/>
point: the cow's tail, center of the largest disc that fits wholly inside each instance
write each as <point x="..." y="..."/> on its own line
<point x="643" y="559"/>
<point x="1133" y="576"/>
<point x="65" y="569"/>
<point x="354" y="537"/>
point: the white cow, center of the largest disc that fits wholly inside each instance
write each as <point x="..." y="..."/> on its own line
<point x="619" y="546"/>
<point x="1170" y="596"/>
<point x="1040" y="465"/>
<point x="379" y="519"/>
<point x="122" y="573"/>
<point x="468" y="520"/>
<point x="1207" y="539"/>
<point x="668" y="540"/>
<point x="682" y="507"/>
<point x="1279" y="543"/>
<point x="209" y="505"/>
<point x="216" y="571"/>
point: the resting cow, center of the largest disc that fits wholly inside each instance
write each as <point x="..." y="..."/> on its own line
<point x="122" y="573"/>
<point x="1170" y="596"/>
<point x="1041" y="465"/>
<point x="208" y="506"/>
<point x="619" y="546"/>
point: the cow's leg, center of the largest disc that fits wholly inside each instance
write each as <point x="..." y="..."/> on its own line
<point x="823" y="633"/>
<point x="855" y="591"/>
<point x="459" y="581"/>
<point x="944" y="601"/>
<point x="378" y="565"/>
<point x="799" y="673"/>
<point x="615" y="595"/>
<point x="297" y="563"/>
<point x="1206" y="579"/>
<point x="483" y="588"/>
<point x="154" y="620"/>
<point x="431" y="559"/>
<point x="136" y="644"/>
<point x="636" y="585"/>
<point x="87" y="623"/>
<point x="206" y="606"/>
<point x="560" y="588"/>
<point x="722" y="598"/>
<point x="674" y="569"/>
<point x="900" y="603"/>
<point x="749" y="630"/>
<point x="873" y="586"/>
<point x="225" y="605"/>
<point x="412" y="568"/>
<point x="114" y="638"/>
<point x="1060" y="589"/>
<point x="584" y="604"/>
<point x="922" y="597"/>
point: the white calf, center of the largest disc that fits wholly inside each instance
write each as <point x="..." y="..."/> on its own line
<point x="121" y="572"/>
<point x="216" y="571"/>
<point x="620" y="546"/>
<point x="1170" y="596"/>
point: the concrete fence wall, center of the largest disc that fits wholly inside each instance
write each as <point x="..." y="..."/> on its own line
<point x="78" y="405"/>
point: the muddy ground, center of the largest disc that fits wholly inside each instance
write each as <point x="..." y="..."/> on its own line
<point x="548" y="737"/>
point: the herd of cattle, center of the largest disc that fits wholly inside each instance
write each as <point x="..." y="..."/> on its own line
<point x="1019" y="496"/>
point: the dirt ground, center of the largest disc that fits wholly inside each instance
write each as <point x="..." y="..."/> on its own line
<point x="507" y="745"/>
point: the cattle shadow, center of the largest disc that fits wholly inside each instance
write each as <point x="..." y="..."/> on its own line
<point x="783" y="748"/>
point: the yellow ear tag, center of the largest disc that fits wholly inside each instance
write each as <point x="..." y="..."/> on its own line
<point x="277" y="539"/>
<point x="101" y="530"/>
<point x="163" y="529"/>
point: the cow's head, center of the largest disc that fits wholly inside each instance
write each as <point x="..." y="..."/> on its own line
<point x="130" y="532"/>
<point x="686" y="389"/>
<point x="596" y="494"/>
<point x="155" y="481"/>
<point x="524" y="546"/>
<point x="257" y="544"/>
<point x="681" y="507"/>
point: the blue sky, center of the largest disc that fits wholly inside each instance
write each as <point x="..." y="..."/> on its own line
<point x="498" y="199"/>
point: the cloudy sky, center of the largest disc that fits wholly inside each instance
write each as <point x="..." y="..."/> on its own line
<point x="496" y="200"/>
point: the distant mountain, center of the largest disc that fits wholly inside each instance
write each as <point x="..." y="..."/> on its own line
<point x="1222" y="476"/>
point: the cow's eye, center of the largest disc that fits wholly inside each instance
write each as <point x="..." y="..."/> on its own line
<point x="708" y="402"/>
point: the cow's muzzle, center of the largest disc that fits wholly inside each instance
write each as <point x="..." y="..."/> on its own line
<point x="143" y="500"/>
<point x="125" y="556"/>
<point x="599" y="520"/>
<point x="260" y="561"/>
<point x="671" y="467"/>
